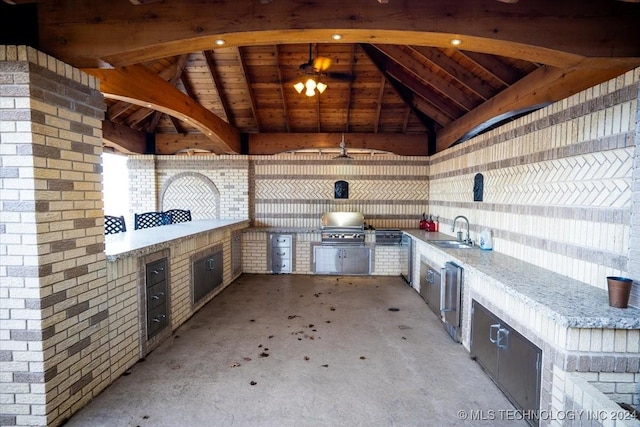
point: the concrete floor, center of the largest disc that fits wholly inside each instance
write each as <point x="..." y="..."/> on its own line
<point x="291" y="350"/>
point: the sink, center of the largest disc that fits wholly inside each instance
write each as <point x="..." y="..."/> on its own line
<point x="450" y="244"/>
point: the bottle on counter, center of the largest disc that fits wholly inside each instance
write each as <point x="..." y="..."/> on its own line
<point x="437" y="223"/>
<point x="486" y="241"/>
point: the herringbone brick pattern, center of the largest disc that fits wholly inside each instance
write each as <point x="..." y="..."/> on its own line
<point x="192" y="193"/>
<point x="600" y="179"/>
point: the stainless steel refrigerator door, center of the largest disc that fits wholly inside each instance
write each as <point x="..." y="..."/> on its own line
<point x="451" y="286"/>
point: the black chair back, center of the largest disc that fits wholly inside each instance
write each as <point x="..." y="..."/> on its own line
<point x="178" y="215"/>
<point x="150" y="219"/>
<point x="114" y="224"/>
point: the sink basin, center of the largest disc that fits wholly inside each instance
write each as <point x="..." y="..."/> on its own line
<point x="451" y="244"/>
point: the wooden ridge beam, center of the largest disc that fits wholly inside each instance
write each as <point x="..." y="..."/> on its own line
<point x="140" y="86"/>
<point x="400" y="144"/>
<point x="542" y="86"/>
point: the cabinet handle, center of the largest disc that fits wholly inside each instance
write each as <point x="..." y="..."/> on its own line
<point x="281" y="253"/>
<point x="344" y="253"/>
<point x="159" y="318"/>
<point x="493" y="327"/>
<point x="158" y="271"/>
<point x="429" y="277"/>
<point x="502" y="333"/>
<point x="158" y="295"/>
<point x="210" y="264"/>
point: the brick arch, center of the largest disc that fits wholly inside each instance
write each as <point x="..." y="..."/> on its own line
<point x="193" y="191"/>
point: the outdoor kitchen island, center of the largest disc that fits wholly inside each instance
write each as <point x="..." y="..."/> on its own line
<point x="590" y="351"/>
<point x="150" y="280"/>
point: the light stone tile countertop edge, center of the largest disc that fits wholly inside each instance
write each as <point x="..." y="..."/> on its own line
<point x="567" y="301"/>
<point x="146" y="240"/>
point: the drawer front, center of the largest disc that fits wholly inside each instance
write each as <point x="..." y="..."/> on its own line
<point x="281" y="241"/>
<point x="156" y="295"/>
<point x="156" y="320"/>
<point x="156" y="272"/>
<point x="280" y="265"/>
<point x="281" y="252"/>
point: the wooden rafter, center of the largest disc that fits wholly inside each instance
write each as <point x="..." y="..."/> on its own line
<point x="430" y="104"/>
<point x="456" y="71"/>
<point x="419" y="71"/>
<point x="217" y="83"/>
<point x="285" y="111"/>
<point x="494" y="66"/>
<point x="376" y="122"/>
<point x="243" y="67"/>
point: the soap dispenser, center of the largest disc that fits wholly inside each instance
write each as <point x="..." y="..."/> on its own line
<point x="486" y="241"/>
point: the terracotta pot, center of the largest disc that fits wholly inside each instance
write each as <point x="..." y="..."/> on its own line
<point x="619" y="290"/>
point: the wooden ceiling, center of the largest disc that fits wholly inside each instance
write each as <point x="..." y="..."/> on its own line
<point x="396" y="83"/>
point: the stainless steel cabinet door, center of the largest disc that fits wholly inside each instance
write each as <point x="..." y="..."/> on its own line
<point x="519" y="364"/>
<point x="356" y="260"/>
<point x="327" y="260"/>
<point x="484" y="328"/>
<point x="430" y="287"/>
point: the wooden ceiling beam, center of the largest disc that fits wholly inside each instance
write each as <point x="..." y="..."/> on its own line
<point x="456" y="71"/>
<point x="542" y="86"/>
<point x="123" y="138"/>
<point x="424" y="74"/>
<point x="274" y="143"/>
<point x="140" y="86"/>
<point x="84" y="33"/>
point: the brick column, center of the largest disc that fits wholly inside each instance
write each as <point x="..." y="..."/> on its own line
<point x="634" y="238"/>
<point x="54" y="353"/>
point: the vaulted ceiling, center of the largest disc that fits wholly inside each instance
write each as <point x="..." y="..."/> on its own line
<point x="395" y="81"/>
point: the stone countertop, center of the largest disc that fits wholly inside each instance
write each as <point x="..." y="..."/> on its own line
<point x="135" y="242"/>
<point x="568" y="302"/>
<point x="282" y="230"/>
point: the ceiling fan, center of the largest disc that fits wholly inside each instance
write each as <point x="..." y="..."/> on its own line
<point x="318" y="67"/>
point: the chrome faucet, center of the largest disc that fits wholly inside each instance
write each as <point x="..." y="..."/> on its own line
<point x="453" y="228"/>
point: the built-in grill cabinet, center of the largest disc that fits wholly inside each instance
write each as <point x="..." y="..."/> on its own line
<point x="207" y="273"/>
<point x="156" y="296"/>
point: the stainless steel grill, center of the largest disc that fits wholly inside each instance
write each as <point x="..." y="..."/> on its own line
<point x="342" y="228"/>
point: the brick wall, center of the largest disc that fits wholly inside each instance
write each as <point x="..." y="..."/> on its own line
<point x="53" y="288"/>
<point x="560" y="185"/>
<point x="634" y="240"/>
<point x="293" y="190"/>
<point x="209" y="186"/>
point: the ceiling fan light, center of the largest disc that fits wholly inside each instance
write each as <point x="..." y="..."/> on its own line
<point x="298" y="87"/>
<point x="321" y="87"/>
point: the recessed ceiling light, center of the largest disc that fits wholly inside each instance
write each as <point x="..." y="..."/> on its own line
<point x="336" y="36"/>
<point x="456" y="42"/>
<point x="219" y="42"/>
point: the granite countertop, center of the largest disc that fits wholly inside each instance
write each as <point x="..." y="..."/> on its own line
<point x="135" y="242"/>
<point x="569" y="302"/>
<point x="293" y="230"/>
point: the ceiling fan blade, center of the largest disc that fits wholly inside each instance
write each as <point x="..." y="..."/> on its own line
<point x="322" y="63"/>
<point x="341" y="76"/>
